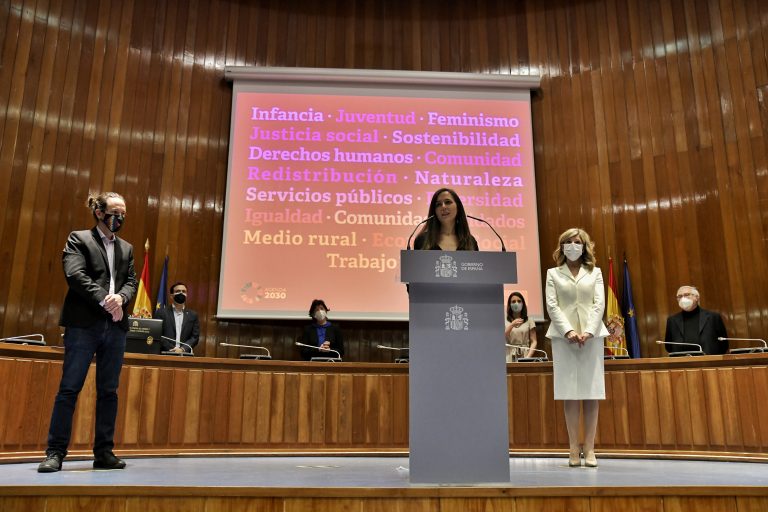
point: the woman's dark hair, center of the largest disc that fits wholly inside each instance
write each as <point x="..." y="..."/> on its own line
<point x="523" y="312"/>
<point x="431" y="230"/>
<point x="315" y="303"/>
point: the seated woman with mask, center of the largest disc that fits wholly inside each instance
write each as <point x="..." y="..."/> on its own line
<point x="321" y="333"/>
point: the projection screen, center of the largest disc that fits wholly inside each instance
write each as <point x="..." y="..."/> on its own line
<point x="330" y="170"/>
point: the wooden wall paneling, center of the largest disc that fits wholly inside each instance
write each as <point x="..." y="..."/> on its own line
<point x="292" y="401"/>
<point x="263" y="408"/>
<point x="177" y="405"/>
<point x="386" y="410"/>
<point x="634" y="409"/>
<point x="36" y="412"/>
<point x="733" y="432"/>
<point x="681" y="412"/>
<point x="552" y="417"/>
<point x="627" y="503"/>
<point x="276" y="416"/>
<point x="400" y="410"/>
<point x="250" y="401"/>
<point x="164" y="403"/>
<point x="347" y="409"/>
<point x="620" y="405"/>
<point x="358" y="418"/>
<point x="666" y="409"/>
<point x="37" y="184"/>
<point x="702" y="504"/>
<point x="321" y="423"/>
<point x="130" y="404"/>
<point x="18" y="132"/>
<point x="518" y="405"/>
<point x="535" y="414"/>
<point x="760" y="387"/>
<point x="147" y="419"/>
<point x="747" y="408"/>
<point x="750" y="504"/>
<point x="193" y="404"/>
<point x="224" y="403"/>
<point x="304" y="408"/>
<point x="698" y="411"/>
<point x="715" y="406"/>
<point x="371" y="412"/>
<point x="650" y="412"/>
<point x="163" y="504"/>
<point x="235" y="413"/>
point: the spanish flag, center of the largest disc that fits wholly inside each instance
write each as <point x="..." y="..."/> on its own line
<point x="142" y="308"/>
<point x="614" y="319"/>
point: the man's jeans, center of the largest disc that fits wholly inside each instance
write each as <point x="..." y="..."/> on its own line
<point x="106" y="340"/>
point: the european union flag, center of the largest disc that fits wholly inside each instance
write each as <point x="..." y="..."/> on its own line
<point x="630" y="319"/>
<point x="161" y="291"/>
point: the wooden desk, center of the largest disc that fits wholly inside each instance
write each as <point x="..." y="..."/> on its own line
<point x="709" y="405"/>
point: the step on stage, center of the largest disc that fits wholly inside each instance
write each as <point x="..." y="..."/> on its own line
<point x="294" y="484"/>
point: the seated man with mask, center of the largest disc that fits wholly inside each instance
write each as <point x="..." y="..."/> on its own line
<point x="179" y="322"/>
<point x="695" y="325"/>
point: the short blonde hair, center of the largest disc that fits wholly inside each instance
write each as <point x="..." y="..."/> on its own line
<point x="587" y="257"/>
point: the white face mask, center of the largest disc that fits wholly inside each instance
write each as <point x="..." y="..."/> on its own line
<point x="573" y="251"/>
<point x="685" y="303"/>
<point x="320" y="315"/>
<point x="516" y="307"/>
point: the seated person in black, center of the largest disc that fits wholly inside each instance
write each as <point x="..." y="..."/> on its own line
<point x="321" y="333"/>
<point x="694" y="324"/>
<point x="447" y="229"/>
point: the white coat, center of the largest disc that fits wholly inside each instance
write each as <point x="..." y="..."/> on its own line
<point x="576" y="304"/>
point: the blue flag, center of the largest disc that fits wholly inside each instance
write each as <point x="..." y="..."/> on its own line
<point x="161" y="292"/>
<point x="630" y="319"/>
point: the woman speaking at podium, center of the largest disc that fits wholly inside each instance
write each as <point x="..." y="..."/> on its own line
<point x="447" y="228"/>
<point x="575" y="302"/>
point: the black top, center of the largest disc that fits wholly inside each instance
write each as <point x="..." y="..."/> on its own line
<point x="421" y="239"/>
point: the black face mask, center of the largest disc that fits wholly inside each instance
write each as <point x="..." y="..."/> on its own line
<point x="179" y="298"/>
<point x="114" y="221"/>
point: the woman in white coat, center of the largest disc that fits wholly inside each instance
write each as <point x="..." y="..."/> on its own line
<point x="576" y="301"/>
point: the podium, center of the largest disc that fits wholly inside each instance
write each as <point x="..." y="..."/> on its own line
<point x="458" y="428"/>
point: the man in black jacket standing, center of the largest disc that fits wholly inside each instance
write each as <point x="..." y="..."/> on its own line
<point x="100" y="273"/>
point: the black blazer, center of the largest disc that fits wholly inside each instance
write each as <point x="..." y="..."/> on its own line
<point x="332" y="334"/>
<point x="87" y="272"/>
<point x="711" y="327"/>
<point x="190" y="328"/>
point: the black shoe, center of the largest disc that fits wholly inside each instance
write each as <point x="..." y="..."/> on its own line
<point x="51" y="464"/>
<point x="107" y="460"/>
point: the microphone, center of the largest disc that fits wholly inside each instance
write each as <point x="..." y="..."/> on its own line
<point x="699" y="352"/>
<point x="397" y="349"/>
<point x="625" y="355"/>
<point x="325" y="359"/>
<point x="408" y="245"/>
<point x="250" y="356"/>
<point x="519" y="349"/>
<point x="503" y="248"/>
<point x="535" y="359"/>
<point x="746" y="350"/>
<point x="26" y="339"/>
<point x="170" y="353"/>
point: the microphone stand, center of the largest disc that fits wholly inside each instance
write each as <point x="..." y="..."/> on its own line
<point x="26" y="339"/>
<point x="503" y="248"/>
<point x="250" y="356"/>
<point x="408" y="245"/>
<point x="535" y="359"/>
<point x="746" y="350"/>
<point x="625" y="355"/>
<point x="336" y="359"/>
<point x="172" y="353"/>
<point x="699" y="352"/>
<point x="397" y="349"/>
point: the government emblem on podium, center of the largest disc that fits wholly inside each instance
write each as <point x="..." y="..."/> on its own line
<point x="456" y="319"/>
<point x="446" y="266"/>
